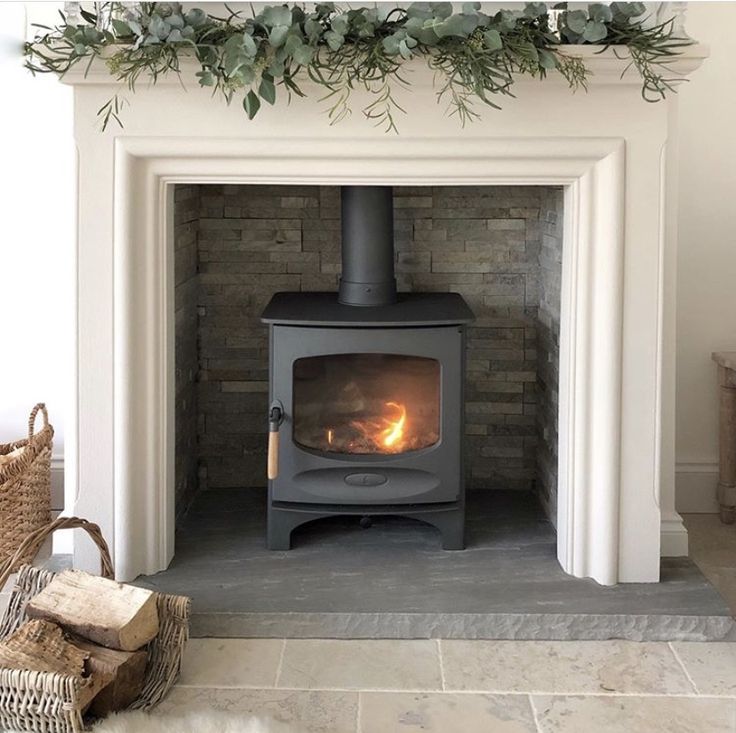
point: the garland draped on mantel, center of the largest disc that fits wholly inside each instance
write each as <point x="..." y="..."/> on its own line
<point x="475" y="56"/>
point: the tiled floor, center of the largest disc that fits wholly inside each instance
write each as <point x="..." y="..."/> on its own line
<point x="376" y="686"/>
<point x="449" y="686"/>
<point x="336" y="686"/>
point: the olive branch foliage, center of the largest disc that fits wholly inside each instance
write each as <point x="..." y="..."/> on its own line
<point x="475" y="57"/>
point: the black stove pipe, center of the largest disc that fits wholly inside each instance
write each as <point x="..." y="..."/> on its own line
<point x="367" y="246"/>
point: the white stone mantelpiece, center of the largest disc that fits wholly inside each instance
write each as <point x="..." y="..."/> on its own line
<point x="608" y="147"/>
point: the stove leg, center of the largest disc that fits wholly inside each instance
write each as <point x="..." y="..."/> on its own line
<point x="453" y="532"/>
<point x="280" y="526"/>
<point x="451" y="525"/>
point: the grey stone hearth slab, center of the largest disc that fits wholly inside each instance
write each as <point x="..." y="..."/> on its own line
<point x="394" y="581"/>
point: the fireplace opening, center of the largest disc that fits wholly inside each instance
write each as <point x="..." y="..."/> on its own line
<point x="497" y="248"/>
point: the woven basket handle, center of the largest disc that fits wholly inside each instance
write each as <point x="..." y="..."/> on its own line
<point x="32" y="419"/>
<point x="36" y="538"/>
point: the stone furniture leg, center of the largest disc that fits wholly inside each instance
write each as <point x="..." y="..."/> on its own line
<point x="727" y="438"/>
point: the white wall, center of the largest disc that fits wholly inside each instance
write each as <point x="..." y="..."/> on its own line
<point x="37" y="206"/>
<point x="706" y="288"/>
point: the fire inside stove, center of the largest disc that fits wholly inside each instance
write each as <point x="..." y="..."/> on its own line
<point x="366" y="403"/>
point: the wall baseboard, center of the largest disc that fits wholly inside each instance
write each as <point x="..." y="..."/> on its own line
<point x="673" y="537"/>
<point x="695" y="488"/>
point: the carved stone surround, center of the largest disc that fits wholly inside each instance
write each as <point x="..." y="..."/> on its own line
<point x="608" y="148"/>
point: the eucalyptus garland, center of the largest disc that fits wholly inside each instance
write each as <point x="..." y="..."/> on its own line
<point x="475" y="56"/>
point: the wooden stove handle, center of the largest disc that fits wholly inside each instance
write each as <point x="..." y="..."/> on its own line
<point x="275" y="418"/>
<point x="273" y="454"/>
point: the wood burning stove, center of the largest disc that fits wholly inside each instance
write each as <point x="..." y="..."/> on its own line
<point x="366" y="390"/>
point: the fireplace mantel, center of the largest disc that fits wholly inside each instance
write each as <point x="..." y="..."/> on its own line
<point x="609" y="148"/>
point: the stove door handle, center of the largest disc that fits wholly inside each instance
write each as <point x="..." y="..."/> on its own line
<point x="275" y="418"/>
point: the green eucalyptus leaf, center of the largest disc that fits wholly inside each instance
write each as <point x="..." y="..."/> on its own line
<point x="249" y="45"/>
<point x="196" y="17"/>
<point x="535" y="10"/>
<point x="206" y="78"/>
<point x="293" y="42"/>
<point x="278" y="35"/>
<point x="469" y="8"/>
<point x="267" y="89"/>
<point x="176" y="21"/>
<point x="419" y="10"/>
<point x="506" y="19"/>
<point x="628" y="10"/>
<point x="304" y="55"/>
<point x="251" y="104"/>
<point x="492" y="40"/>
<point x="274" y="15"/>
<point x="121" y="28"/>
<point x="340" y="24"/>
<point x="600" y="13"/>
<point x="391" y="45"/>
<point x="441" y="10"/>
<point x="313" y="29"/>
<point x="594" y="31"/>
<point x="334" y="40"/>
<point x="547" y="60"/>
<point x="453" y="26"/>
<point x="576" y="20"/>
<point x="158" y="27"/>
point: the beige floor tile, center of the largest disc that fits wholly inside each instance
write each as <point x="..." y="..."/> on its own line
<point x="562" y="667"/>
<point x="724" y="580"/>
<point x="306" y="711"/>
<point x="613" y="714"/>
<point x="360" y="665"/>
<point x="711" y="665"/>
<point x="713" y="548"/>
<point x="397" y="712"/>
<point x="231" y="662"/>
<point x="707" y="532"/>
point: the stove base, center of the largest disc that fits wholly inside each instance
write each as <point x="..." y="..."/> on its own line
<point x="284" y="517"/>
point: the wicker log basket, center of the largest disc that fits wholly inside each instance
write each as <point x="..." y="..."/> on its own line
<point x="25" y="486"/>
<point x="44" y="702"/>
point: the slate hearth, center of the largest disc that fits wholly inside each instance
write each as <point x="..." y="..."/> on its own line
<point x="394" y="581"/>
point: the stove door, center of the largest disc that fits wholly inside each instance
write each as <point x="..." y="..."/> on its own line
<point x="373" y="416"/>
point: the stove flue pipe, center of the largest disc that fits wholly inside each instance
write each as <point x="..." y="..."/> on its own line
<point x="367" y="246"/>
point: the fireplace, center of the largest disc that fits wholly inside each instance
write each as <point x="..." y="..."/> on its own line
<point x="366" y="390"/>
<point x="608" y="151"/>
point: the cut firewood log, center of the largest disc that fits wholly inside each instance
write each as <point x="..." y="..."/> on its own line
<point x="125" y="669"/>
<point x="40" y="646"/>
<point x="114" y="615"/>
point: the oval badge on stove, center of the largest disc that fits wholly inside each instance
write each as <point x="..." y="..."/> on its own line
<point x="365" y="479"/>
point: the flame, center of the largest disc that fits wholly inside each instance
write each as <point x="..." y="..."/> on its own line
<point x="395" y="432"/>
<point x="330" y="436"/>
<point x="385" y="434"/>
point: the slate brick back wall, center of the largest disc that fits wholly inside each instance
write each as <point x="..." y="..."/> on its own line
<point x="484" y="243"/>
<point x="186" y="279"/>
<point x="550" y="273"/>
